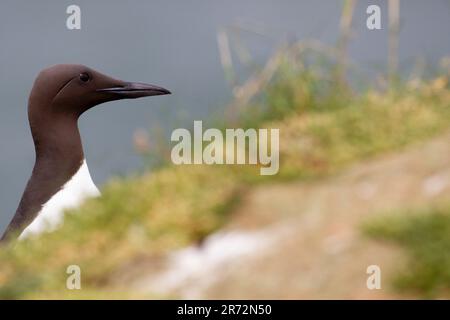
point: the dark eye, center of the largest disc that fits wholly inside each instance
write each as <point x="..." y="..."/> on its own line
<point x="85" y="77"/>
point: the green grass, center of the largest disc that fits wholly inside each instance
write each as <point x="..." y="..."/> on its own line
<point x="336" y="129"/>
<point x="322" y="129"/>
<point x="369" y="124"/>
<point x="135" y="219"/>
<point x="425" y="235"/>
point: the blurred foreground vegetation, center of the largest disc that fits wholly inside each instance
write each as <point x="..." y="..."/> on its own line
<point x="425" y="234"/>
<point x="324" y="127"/>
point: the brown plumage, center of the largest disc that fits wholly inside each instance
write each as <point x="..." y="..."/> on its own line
<point x="60" y="95"/>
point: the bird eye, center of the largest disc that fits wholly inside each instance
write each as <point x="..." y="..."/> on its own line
<point x="85" y="77"/>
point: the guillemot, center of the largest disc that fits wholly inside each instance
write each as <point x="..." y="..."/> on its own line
<point x="60" y="178"/>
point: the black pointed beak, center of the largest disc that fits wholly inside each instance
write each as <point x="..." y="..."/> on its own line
<point x="132" y="90"/>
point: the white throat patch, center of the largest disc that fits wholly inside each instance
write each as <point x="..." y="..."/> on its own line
<point x="72" y="194"/>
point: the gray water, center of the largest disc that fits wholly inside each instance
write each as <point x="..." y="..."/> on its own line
<point x="173" y="44"/>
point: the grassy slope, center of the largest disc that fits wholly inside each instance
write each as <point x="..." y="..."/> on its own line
<point x="135" y="218"/>
<point x="425" y="234"/>
<point x="321" y="131"/>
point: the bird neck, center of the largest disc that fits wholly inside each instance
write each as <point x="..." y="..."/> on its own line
<point x="59" y="156"/>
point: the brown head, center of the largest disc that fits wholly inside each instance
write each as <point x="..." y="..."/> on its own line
<point x="62" y="93"/>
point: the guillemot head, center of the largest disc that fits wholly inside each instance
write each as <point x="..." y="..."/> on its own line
<point x="69" y="89"/>
<point x="60" y="95"/>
